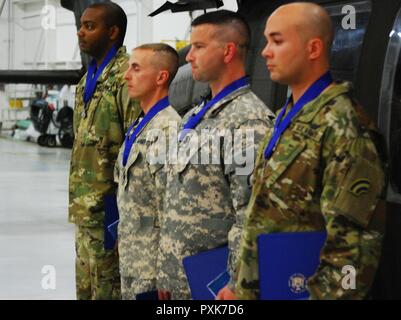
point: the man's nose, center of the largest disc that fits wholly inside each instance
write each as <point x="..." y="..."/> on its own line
<point x="126" y="75"/>
<point x="266" y="52"/>
<point x="80" y="33"/>
<point x="189" y="56"/>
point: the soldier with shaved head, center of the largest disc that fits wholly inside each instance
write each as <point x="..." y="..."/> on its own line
<point x="320" y="169"/>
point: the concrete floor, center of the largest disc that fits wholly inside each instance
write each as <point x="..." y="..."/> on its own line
<point x="34" y="231"/>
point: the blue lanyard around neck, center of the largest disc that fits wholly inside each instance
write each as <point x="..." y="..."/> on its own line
<point x="92" y="76"/>
<point x="280" y="126"/>
<point x="196" y="118"/>
<point x="129" y="140"/>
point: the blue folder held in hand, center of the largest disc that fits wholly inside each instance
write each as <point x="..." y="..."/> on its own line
<point x="286" y="261"/>
<point x="201" y="269"/>
<point x="110" y="218"/>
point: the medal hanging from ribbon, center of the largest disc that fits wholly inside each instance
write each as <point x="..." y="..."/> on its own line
<point x="280" y="126"/>
<point x="130" y="139"/>
<point x="196" y="118"/>
<point x="93" y="74"/>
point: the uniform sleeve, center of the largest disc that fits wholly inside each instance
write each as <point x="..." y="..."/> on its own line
<point x="158" y="169"/>
<point x="353" y="180"/>
<point x="129" y="110"/>
<point x="245" y="145"/>
<point x="79" y="104"/>
<point x="116" y="173"/>
<point x="245" y="282"/>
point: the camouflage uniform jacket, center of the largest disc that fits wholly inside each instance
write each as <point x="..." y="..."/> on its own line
<point x="99" y="128"/>
<point x="141" y="186"/>
<point x="205" y="203"/>
<point x="325" y="174"/>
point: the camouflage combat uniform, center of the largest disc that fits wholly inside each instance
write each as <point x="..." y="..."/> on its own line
<point x="141" y="185"/>
<point x="205" y="203"/>
<point x="99" y="129"/>
<point x="325" y="174"/>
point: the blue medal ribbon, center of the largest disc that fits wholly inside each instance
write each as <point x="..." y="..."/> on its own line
<point x="92" y="76"/>
<point x="130" y="139"/>
<point x="196" y="118"/>
<point x="280" y="126"/>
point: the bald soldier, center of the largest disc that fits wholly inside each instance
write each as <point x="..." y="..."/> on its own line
<point x="141" y="179"/>
<point x="208" y="190"/>
<point x="320" y="169"/>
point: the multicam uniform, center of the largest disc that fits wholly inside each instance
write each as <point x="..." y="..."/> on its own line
<point x="99" y="128"/>
<point x="141" y="186"/>
<point x="325" y="174"/>
<point x="205" y="203"/>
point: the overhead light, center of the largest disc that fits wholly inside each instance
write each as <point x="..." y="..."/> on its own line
<point x="391" y="33"/>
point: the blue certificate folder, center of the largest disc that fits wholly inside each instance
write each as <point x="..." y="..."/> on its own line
<point x="203" y="268"/>
<point x="110" y="218"/>
<point x="286" y="261"/>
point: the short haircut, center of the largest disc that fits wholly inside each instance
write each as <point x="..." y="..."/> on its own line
<point x="114" y="15"/>
<point x="167" y="57"/>
<point x="233" y="21"/>
<point x="314" y="21"/>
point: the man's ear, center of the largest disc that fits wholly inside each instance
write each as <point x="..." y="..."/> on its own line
<point x="163" y="77"/>
<point x="230" y="52"/>
<point x="114" y="33"/>
<point x="315" y="48"/>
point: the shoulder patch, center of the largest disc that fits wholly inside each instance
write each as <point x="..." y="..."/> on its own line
<point x="360" y="187"/>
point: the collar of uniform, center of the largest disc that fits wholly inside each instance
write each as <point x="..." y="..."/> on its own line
<point x="214" y="110"/>
<point x="309" y="111"/>
<point x="121" y="54"/>
<point x="154" y="123"/>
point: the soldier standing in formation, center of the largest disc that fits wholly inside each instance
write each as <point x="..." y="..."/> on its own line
<point x="320" y="169"/>
<point x="205" y="201"/>
<point x="141" y="179"/>
<point x="103" y="112"/>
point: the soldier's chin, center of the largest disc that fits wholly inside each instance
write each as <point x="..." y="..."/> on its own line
<point x="133" y="95"/>
<point x="276" y="78"/>
<point x="83" y="48"/>
<point x="198" y="77"/>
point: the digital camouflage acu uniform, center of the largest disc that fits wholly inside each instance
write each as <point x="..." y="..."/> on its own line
<point x="205" y="203"/>
<point x="99" y="129"/>
<point x="141" y="186"/>
<point x="324" y="174"/>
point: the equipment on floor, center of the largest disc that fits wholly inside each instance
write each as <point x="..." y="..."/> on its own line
<point x="55" y="127"/>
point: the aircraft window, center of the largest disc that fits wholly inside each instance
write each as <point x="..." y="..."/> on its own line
<point x="390" y="104"/>
<point x="349" y="34"/>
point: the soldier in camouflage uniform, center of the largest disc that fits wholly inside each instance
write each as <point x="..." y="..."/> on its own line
<point x="205" y="201"/>
<point x="325" y="172"/>
<point x="99" y="127"/>
<point x="141" y="181"/>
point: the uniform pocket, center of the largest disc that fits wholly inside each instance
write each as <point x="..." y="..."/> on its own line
<point x="292" y="178"/>
<point x="190" y="152"/>
<point x="284" y="158"/>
